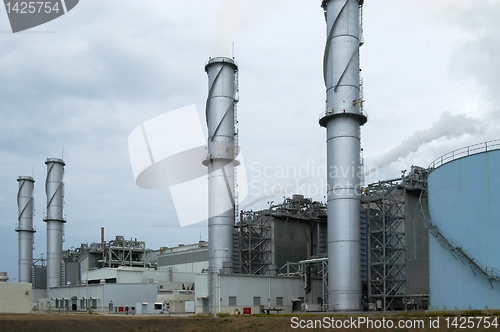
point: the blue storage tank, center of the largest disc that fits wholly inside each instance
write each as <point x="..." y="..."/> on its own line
<point x="464" y="203"/>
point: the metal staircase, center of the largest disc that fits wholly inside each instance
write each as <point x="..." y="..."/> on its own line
<point x="490" y="273"/>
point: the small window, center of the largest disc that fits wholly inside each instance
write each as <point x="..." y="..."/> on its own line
<point x="232" y="300"/>
<point x="279" y="300"/>
<point x="158" y="306"/>
<point x="256" y="300"/>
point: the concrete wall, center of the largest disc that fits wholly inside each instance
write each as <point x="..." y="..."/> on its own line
<point x="39" y="294"/>
<point x="201" y="291"/>
<point x="126" y="275"/>
<point x="120" y="294"/>
<point x="43" y="304"/>
<point x="464" y="204"/>
<point x="246" y="287"/>
<point x="131" y="275"/>
<point x="15" y="298"/>
<point x="193" y="261"/>
<point x="176" y="300"/>
<point x="195" y="267"/>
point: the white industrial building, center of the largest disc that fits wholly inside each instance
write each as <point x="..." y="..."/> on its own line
<point x="183" y="284"/>
<point x="15" y="298"/>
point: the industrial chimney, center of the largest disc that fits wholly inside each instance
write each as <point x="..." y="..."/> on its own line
<point x="25" y="205"/>
<point x="222" y="151"/>
<point x="54" y="188"/>
<point x="342" y="119"/>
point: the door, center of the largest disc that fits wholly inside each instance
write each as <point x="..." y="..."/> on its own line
<point x="206" y="306"/>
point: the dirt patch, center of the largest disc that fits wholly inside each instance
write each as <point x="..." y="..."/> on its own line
<point x="55" y="322"/>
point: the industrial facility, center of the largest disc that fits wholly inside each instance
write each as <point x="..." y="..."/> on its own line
<point x="423" y="240"/>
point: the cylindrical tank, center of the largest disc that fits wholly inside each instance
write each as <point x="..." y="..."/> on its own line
<point x="54" y="189"/>
<point x="25" y="228"/>
<point x="342" y="119"/>
<point x="464" y="205"/>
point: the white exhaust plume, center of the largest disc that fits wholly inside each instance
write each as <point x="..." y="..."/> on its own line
<point x="448" y="126"/>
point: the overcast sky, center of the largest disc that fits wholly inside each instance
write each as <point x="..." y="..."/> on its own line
<point x="83" y="82"/>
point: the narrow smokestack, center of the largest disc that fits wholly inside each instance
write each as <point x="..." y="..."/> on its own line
<point x="54" y="188"/>
<point x="25" y="204"/>
<point x="222" y="151"/>
<point x="342" y="120"/>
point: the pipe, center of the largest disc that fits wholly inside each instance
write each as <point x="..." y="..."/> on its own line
<point x="25" y="204"/>
<point x="54" y="189"/>
<point x="342" y="120"/>
<point x="218" y="297"/>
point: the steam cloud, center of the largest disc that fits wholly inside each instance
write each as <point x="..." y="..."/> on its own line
<point x="447" y="126"/>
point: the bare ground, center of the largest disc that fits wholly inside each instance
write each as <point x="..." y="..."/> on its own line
<point x="58" y="321"/>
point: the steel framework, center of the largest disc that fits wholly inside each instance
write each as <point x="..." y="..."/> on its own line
<point x="255" y="231"/>
<point x="315" y="267"/>
<point x="255" y="241"/>
<point x="123" y="252"/>
<point x="384" y="203"/>
<point x="299" y="207"/>
<point x="39" y="273"/>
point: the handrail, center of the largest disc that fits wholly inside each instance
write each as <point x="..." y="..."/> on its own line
<point x="464" y="152"/>
<point x="490" y="273"/>
<point x="493" y="271"/>
<point x="332" y="111"/>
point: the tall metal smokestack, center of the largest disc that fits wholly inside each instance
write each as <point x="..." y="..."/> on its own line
<point x="54" y="187"/>
<point x="342" y="119"/>
<point x="222" y="151"/>
<point x="24" y="227"/>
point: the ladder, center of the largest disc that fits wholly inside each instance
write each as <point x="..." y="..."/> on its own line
<point x="236" y="99"/>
